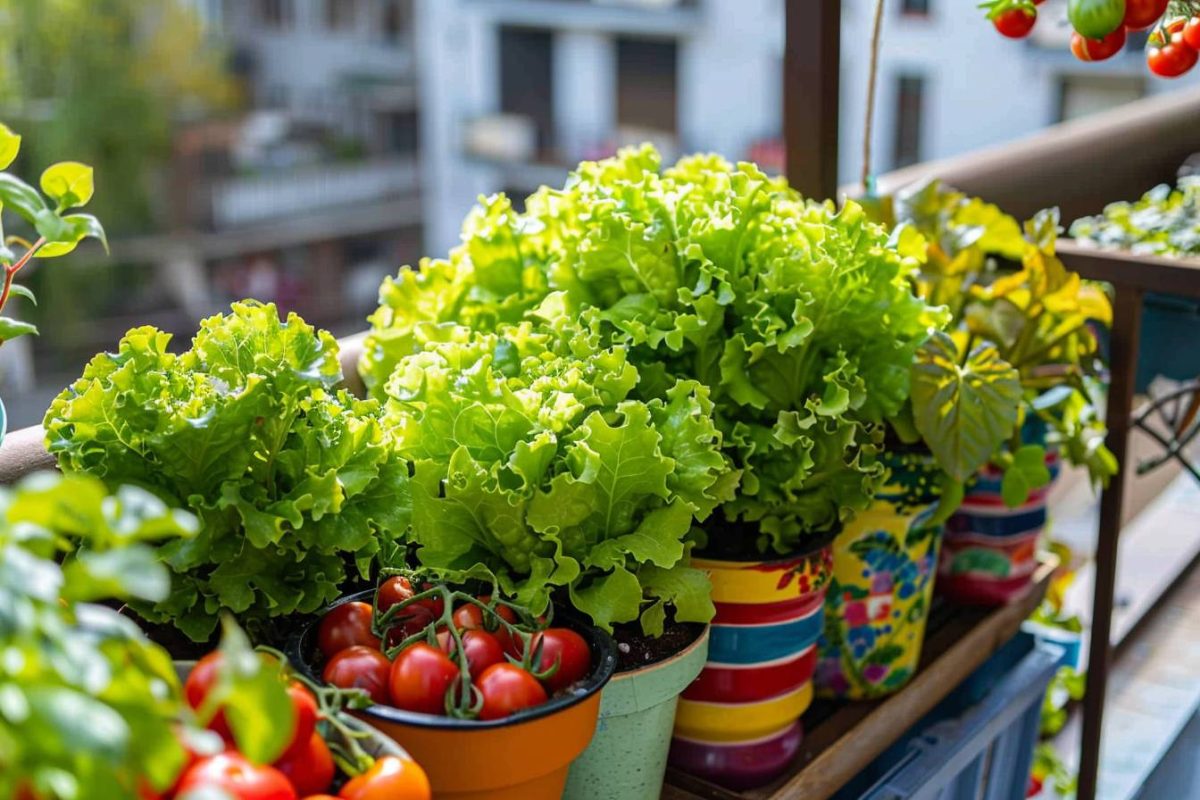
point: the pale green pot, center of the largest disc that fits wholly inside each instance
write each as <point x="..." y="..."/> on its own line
<point x="627" y="758"/>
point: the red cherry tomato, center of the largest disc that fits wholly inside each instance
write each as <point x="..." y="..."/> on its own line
<point x="507" y="689"/>
<point x="482" y="650"/>
<point x="233" y="774"/>
<point x="412" y="621"/>
<point x="1141" y="14"/>
<point x="569" y="650"/>
<point x="1097" y="49"/>
<point x="389" y="778"/>
<point x="1173" y="59"/>
<point x="1016" y="23"/>
<point x="470" y="617"/>
<point x="309" y="766"/>
<point x="398" y="589"/>
<point x="1191" y="33"/>
<point x="360" y="668"/>
<point x="420" y="678"/>
<point x="197" y="686"/>
<point x="305" y="706"/>
<point x="345" y="626"/>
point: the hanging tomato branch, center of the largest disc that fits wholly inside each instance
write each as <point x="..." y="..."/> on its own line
<point x="1100" y="28"/>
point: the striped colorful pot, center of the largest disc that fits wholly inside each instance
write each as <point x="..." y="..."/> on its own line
<point x="737" y="724"/>
<point x="990" y="550"/>
<point x="878" y="599"/>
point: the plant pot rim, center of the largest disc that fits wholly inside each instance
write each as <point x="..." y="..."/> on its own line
<point x="604" y="653"/>
<point x="809" y="547"/>
<point x="700" y="641"/>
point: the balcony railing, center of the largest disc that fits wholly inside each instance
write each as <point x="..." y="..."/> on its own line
<point x="244" y="201"/>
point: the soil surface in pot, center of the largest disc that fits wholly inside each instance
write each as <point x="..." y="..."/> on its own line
<point x="738" y="541"/>
<point x="636" y="650"/>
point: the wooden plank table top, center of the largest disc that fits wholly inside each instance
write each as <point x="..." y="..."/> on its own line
<point x="844" y="738"/>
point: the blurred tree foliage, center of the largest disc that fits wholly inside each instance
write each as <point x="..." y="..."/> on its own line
<point x="106" y="80"/>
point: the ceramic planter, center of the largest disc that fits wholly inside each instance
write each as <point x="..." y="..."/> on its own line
<point x="737" y="724"/>
<point x="521" y="757"/>
<point x="628" y="755"/>
<point x="878" y="599"/>
<point x="990" y="550"/>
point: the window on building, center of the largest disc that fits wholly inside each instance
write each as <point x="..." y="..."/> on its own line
<point x="340" y="14"/>
<point x="1081" y="95"/>
<point x="396" y="21"/>
<point x="527" y="79"/>
<point x="399" y="132"/>
<point x="916" y="8"/>
<point x="910" y="107"/>
<point x="276" y="14"/>
<point x="647" y="84"/>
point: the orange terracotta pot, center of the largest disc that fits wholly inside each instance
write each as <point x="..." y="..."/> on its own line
<point x="525" y="756"/>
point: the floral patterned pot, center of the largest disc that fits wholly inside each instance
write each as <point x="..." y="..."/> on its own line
<point x="878" y="599"/>
<point x="737" y="724"/>
<point x="990" y="550"/>
<point x="637" y="712"/>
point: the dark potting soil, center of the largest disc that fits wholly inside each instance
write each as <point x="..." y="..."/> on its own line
<point x="636" y="650"/>
<point x="738" y="541"/>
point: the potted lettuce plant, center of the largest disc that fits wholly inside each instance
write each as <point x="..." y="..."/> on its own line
<point x="1014" y="300"/>
<point x="295" y="483"/>
<point x="532" y="457"/>
<point x="801" y="323"/>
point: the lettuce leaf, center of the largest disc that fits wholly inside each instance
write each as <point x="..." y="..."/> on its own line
<point x="290" y="477"/>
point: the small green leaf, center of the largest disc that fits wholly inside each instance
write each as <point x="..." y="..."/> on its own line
<point x="21" y="197"/>
<point x="69" y="232"/>
<point x="70" y="183"/>
<point x="10" y="145"/>
<point x="1027" y="472"/>
<point x="12" y="328"/>
<point x="23" y="291"/>
<point x="131" y="572"/>
<point x="253" y="696"/>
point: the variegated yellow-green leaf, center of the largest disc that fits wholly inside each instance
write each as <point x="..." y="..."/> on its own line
<point x="963" y="411"/>
<point x="69" y="183"/>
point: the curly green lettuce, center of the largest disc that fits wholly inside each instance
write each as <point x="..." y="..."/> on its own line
<point x="292" y="479"/>
<point x="799" y="320"/>
<point x="531" y="457"/>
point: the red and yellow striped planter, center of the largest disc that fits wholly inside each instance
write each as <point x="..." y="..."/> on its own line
<point x="737" y="723"/>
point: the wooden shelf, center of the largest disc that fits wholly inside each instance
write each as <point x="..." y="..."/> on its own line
<point x="841" y="739"/>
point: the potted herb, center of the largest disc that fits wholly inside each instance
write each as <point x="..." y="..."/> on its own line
<point x="86" y="714"/>
<point x="1014" y="300"/>
<point x="58" y="224"/>
<point x="295" y="483"/>
<point x="532" y="458"/>
<point x="713" y="273"/>
<point x="463" y="671"/>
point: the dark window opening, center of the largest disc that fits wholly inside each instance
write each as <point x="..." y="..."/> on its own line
<point x="916" y="8"/>
<point x="397" y="21"/>
<point x="647" y="84"/>
<point x="910" y="102"/>
<point x="276" y="14"/>
<point x="340" y="14"/>
<point x="400" y="132"/>
<point x="527" y="79"/>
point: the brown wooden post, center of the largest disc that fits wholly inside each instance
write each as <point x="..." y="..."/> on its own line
<point x="811" y="83"/>
<point x="1127" y="320"/>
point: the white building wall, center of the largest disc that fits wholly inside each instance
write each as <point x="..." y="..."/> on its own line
<point x="585" y="89"/>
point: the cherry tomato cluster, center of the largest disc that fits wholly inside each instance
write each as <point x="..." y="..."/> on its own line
<point x="1101" y="28"/>
<point x="447" y="652"/>
<point x="306" y="769"/>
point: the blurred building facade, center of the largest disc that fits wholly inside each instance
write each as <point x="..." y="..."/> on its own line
<point x="513" y="91"/>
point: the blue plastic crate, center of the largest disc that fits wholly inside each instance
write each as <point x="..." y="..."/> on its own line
<point x="985" y="752"/>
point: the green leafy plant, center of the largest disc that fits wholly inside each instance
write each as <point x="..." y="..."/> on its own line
<point x="799" y="320"/>
<point x="533" y="458"/>
<point x="1164" y="221"/>
<point x="1018" y="356"/>
<point x="54" y="217"/>
<point x="291" y="479"/>
<point x="87" y="704"/>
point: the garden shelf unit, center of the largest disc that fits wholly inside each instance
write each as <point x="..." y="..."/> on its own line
<point x="842" y="739"/>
